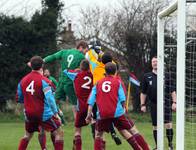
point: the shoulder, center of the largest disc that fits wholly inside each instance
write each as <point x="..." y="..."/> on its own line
<point x="46" y="80"/>
<point x="148" y="74"/>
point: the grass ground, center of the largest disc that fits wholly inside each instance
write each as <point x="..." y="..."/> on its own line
<point x="12" y="132"/>
<point x="12" y="129"/>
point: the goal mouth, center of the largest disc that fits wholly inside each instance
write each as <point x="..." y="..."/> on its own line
<point x="178" y="8"/>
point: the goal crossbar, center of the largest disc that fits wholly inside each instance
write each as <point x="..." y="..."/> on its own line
<point x="170" y="9"/>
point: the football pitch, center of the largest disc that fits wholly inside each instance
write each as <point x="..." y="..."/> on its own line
<point x="10" y="134"/>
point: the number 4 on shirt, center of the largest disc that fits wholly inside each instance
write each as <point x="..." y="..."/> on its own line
<point x="30" y="88"/>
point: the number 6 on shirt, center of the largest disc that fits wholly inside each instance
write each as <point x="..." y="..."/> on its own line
<point x="106" y="86"/>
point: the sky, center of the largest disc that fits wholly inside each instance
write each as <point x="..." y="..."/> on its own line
<point x="27" y="7"/>
<point x="71" y="11"/>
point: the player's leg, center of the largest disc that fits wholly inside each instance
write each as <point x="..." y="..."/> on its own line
<point x="25" y="141"/>
<point x="153" y="112"/>
<point x="101" y="126"/>
<point x="139" y="138"/>
<point x="99" y="143"/>
<point x="114" y="135"/>
<point x="79" y="123"/>
<point x="169" y="134"/>
<point x="59" y="138"/>
<point x="30" y="127"/>
<point x="42" y="138"/>
<point x="130" y="133"/>
<point x="74" y="110"/>
<point x="130" y="139"/>
<point x="54" y="125"/>
<point x="60" y="97"/>
<point x="168" y="123"/>
<point x="77" y="142"/>
<point x="69" y="89"/>
<point x="93" y="123"/>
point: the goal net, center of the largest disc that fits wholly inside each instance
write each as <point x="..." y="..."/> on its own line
<point x="177" y="72"/>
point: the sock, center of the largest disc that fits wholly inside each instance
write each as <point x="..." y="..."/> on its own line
<point x="58" y="145"/>
<point x="103" y="144"/>
<point x="112" y="130"/>
<point x="77" y="142"/>
<point x="52" y="138"/>
<point x="23" y="144"/>
<point x="93" y="130"/>
<point x="98" y="145"/>
<point x="155" y="136"/>
<point x="169" y="133"/>
<point x="133" y="143"/>
<point x="140" y="140"/>
<point x="42" y="140"/>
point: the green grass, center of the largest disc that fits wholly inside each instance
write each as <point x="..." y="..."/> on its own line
<point x="12" y="129"/>
<point x="12" y="132"/>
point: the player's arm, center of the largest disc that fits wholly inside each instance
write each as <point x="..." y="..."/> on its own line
<point x="121" y="95"/>
<point x="19" y="94"/>
<point x="54" y="81"/>
<point x="173" y="95"/>
<point x="172" y="91"/>
<point x="143" y="95"/>
<point x="70" y="73"/>
<point x="53" y="57"/>
<point x="91" y="102"/>
<point x="49" y="97"/>
<point x="19" y="99"/>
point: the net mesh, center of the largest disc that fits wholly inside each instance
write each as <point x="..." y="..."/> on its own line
<point x="170" y="57"/>
<point x="190" y="100"/>
<point x="170" y="53"/>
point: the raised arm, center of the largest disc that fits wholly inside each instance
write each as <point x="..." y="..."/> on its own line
<point x="53" y="57"/>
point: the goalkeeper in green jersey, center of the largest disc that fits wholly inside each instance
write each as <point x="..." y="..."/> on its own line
<point x="70" y="59"/>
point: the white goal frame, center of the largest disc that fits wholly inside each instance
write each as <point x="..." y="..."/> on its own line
<point x="180" y="7"/>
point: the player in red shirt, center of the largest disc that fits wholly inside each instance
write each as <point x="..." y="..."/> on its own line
<point x="109" y="96"/>
<point x="40" y="108"/>
<point x="83" y="83"/>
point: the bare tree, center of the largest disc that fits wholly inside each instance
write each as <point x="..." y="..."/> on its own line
<point x="130" y="28"/>
<point x="94" y="22"/>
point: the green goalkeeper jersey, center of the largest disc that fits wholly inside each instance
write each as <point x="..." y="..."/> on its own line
<point x="70" y="59"/>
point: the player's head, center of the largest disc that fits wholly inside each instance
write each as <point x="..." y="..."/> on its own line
<point x="46" y="73"/>
<point x="36" y="63"/>
<point x="106" y="57"/>
<point x="84" y="65"/>
<point x="82" y="46"/>
<point x="110" y="68"/>
<point x="154" y="63"/>
<point x="95" y="45"/>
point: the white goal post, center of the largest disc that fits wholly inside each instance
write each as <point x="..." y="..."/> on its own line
<point x="180" y="7"/>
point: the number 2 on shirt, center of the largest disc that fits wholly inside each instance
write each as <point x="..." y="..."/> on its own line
<point x="86" y="85"/>
<point x="30" y="88"/>
<point x="69" y="60"/>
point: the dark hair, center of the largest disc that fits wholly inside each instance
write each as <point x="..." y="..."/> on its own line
<point x="106" y="57"/>
<point x="82" y="44"/>
<point x="36" y="62"/>
<point x="110" y="68"/>
<point x="84" y="65"/>
<point x="154" y="57"/>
